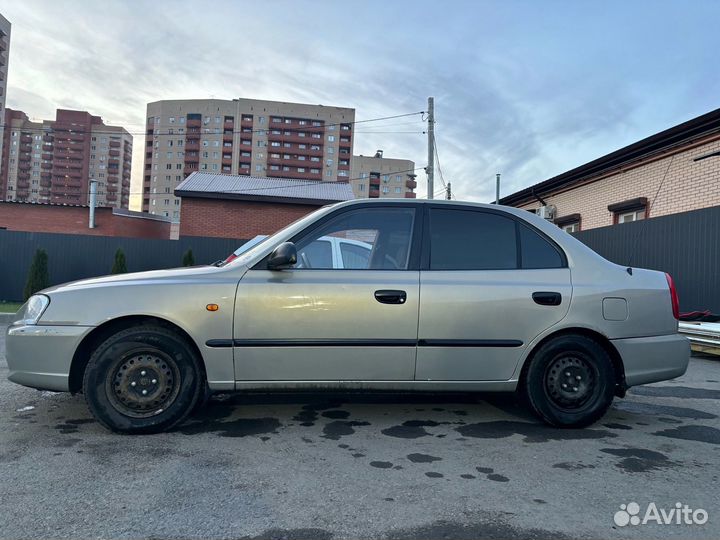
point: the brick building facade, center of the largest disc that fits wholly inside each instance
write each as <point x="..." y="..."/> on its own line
<point x="56" y="218"/>
<point x="226" y="206"/>
<point x="622" y="186"/>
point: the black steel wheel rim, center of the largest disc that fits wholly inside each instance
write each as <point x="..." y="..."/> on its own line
<point x="144" y="383"/>
<point x="570" y="381"/>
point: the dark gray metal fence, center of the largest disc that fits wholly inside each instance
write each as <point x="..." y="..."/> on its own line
<point x="686" y="245"/>
<point x="72" y="256"/>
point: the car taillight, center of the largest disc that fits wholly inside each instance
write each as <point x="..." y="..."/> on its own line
<point x="673" y="296"/>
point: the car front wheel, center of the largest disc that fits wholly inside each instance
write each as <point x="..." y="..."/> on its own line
<point x="144" y="379"/>
<point x="570" y="381"/>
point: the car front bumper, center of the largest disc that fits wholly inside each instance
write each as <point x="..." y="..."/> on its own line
<point x="40" y="356"/>
<point x="653" y="359"/>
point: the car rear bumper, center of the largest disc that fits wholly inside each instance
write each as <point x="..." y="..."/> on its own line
<point x="40" y="356"/>
<point x="653" y="359"/>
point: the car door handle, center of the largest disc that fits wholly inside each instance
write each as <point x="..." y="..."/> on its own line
<point x="389" y="296"/>
<point x="547" y="298"/>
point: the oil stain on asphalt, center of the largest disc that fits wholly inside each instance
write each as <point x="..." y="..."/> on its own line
<point x="533" y="433"/>
<point x="704" y="434"/>
<point x="639" y="460"/>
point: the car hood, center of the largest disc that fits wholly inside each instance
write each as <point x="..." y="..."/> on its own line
<point x="173" y="275"/>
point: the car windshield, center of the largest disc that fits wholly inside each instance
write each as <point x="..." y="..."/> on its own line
<point x="288" y="230"/>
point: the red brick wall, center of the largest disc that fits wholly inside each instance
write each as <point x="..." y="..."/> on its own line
<point x="74" y="220"/>
<point x="237" y="219"/>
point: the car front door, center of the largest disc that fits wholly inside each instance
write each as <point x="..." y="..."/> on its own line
<point x="319" y="322"/>
<point x="490" y="283"/>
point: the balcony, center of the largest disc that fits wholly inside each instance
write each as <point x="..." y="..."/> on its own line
<point x="114" y="144"/>
<point x="410" y="195"/>
<point x="45" y="176"/>
<point x="294" y="163"/>
<point x="22" y="193"/>
<point x="344" y="167"/>
<point x="25" y="139"/>
<point x="23" y="184"/>
<point x="192" y="159"/>
<point x="111" y="188"/>
<point x="227" y="137"/>
<point x="112" y="179"/>
<point x="226" y="160"/>
<point x="193" y="144"/>
<point x="111" y="197"/>
<point x="45" y="182"/>
<point x="246" y="121"/>
<point x="292" y="138"/>
<point x="24" y="165"/>
<point x="23" y="176"/>
<point x="374" y="193"/>
<point x="114" y="153"/>
<point x="44" y="192"/>
<point x="189" y="168"/>
<point x="46" y="165"/>
<point x="412" y="184"/>
<point x="26" y="147"/>
<point x="48" y="138"/>
<point x="294" y="174"/>
<point x="194" y="123"/>
<point x="126" y="184"/>
<point x="47" y="156"/>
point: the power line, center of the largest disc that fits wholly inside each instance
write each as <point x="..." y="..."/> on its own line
<point x="50" y="130"/>
<point x="265" y="188"/>
<point x="437" y="158"/>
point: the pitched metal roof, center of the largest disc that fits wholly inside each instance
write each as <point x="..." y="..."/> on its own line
<point x="254" y="188"/>
<point x="675" y="137"/>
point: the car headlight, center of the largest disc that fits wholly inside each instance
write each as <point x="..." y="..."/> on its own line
<point x="34" y="308"/>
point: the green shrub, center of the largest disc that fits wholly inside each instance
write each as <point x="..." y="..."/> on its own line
<point x="119" y="266"/>
<point x="38" y="278"/>
<point x="188" y="259"/>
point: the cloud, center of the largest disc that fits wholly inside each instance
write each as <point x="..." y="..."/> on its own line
<point x="520" y="88"/>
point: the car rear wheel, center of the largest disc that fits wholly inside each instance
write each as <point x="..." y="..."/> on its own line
<point x="570" y="381"/>
<point x="144" y="379"/>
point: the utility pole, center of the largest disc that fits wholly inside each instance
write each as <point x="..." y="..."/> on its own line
<point x="497" y="188"/>
<point x="93" y="203"/>
<point x="448" y="191"/>
<point x="430" y="170"/>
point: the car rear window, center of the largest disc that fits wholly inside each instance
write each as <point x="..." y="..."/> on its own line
<point x="537" y="252"/>
<point x="471" y="240"/>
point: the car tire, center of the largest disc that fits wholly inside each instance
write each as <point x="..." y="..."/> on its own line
<point x="144" y="379"/>
<point x="570" y="382"/>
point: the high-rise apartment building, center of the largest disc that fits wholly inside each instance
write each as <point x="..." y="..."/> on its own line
<point x="380" y="177"/>
<point x="54" y="160"/>
<point x="245" y="137"/>
<point x="4" y="56"/>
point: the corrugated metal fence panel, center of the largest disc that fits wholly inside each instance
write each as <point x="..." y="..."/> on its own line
<point x="72" y="257"/>
<point x="685" y="245"/>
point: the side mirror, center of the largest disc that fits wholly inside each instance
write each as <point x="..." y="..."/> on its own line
<point x="283" y="256"/>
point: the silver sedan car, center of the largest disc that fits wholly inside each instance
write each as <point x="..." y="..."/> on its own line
<point x="451" y="296"/>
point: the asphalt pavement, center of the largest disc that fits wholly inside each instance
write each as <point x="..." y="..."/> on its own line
<point x="327" y="466"/>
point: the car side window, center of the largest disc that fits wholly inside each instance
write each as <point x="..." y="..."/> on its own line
<point x="319" y="254"/>
<point x="354" y="256"/>
<point x="374" y="239"/>
<point x="536" y="251"/>
<point x="472" y="240"/>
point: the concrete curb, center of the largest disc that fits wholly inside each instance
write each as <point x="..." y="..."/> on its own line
<point x="6" y="318"/>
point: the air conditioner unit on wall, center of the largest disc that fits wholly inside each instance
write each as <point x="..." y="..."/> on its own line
<point x="546" y="212"/>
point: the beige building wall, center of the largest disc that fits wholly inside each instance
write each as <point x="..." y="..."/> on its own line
<point x="381" y="177"/>
<point x="241" y="136"/>
<point x="689" y="185"/>
<point x="5" y="28"/>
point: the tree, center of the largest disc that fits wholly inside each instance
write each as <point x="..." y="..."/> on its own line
<point x="38" y="278"/>
<point x="188" y="259"/>
<point x="119" y="266"/>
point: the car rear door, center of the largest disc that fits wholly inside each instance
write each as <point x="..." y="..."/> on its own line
<point x="490" y="283"/>
<point x="318" y="322"/>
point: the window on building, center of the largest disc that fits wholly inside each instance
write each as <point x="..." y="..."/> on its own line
<point x="258" y="168"/>
<point x="342" y="173"/>
<point x="301" y="169"/>
<point x="630" y="210"/>
<point x="398" y="190"/>
<point x="331" y="138"/>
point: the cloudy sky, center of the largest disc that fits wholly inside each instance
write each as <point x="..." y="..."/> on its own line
<point x="525" y="88"/>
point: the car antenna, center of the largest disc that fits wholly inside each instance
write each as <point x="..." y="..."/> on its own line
<point x="647" y="213"/>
